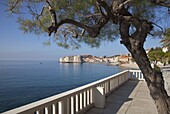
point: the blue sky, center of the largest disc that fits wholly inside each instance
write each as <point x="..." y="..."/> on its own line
<point x="15" y="45"/>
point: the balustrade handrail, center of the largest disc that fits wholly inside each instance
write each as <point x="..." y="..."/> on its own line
<point x="60" y="96"/>
<point x="134" y="70"/>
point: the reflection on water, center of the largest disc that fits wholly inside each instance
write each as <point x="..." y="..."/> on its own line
<point x="71" y="68"/>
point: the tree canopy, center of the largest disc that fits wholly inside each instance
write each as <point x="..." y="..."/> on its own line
<point x="156" y="55"/>
<point x="166" y="39"/>
<point x="75" y="22"/>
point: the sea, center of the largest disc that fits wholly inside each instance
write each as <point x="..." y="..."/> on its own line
<point x="23" y="82"/>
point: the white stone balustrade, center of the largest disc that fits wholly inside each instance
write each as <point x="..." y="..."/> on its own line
<point x="136" y="74"/>
<point x="78" y="100"/>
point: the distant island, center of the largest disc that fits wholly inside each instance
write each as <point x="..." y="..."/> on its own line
<point x="112" y="60"/>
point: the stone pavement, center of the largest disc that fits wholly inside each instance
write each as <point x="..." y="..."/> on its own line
<point x="132" y="98"/>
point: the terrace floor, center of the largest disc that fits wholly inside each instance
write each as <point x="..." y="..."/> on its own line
<point x="131" y="98"/>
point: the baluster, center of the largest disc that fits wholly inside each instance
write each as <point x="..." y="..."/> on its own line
<point x="37" y="112"/>
<point x="134" y="76"/>
<point x="100" y="85"/>
<point x="48" y="109"/>
<point x="60" y="108"/>
<point x="109" y="85"/>
<point x="88" y="97"/>
<point x="127" y="76"/>
<point x="62" y="105"/>
<point x="81" y="100"/>
<point x="114" y="82"/>
<point x="73" y="105"/>
<point x="78" y="102"/>
<point x="118" y="81"/>
<point x="85" y="98"/>
<point x="139" y="75"/>
<point x="123" y="77"/>
<point x="105" y="88"/>
<point x="142" y="76"/>
<point x="40" y="111"/>
<point x="91" y="96"/>
<point x="55" y="108"/>
<point x="68" y="105"/>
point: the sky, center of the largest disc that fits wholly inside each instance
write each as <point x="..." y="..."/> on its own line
<point x="15" y="45"/>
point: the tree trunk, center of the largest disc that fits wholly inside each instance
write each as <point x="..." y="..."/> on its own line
<point x="154" y="79"/>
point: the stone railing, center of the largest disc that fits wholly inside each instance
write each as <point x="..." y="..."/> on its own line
<point x="136" y="74"/>
<point x="78" y="100"/>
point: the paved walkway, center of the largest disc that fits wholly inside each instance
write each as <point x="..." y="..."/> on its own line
<point x="132" y="98"/>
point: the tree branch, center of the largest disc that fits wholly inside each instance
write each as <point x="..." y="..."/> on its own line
<point x="108" y="10"/>
<point x="100" y="9"/>
<point x="143" y="27"/>
<point x="105" y="6"/>
<point x="39" y="15"/>
<point x="53" y="18"/>
<point x="93" y="31"/>
<point x="125" y="3"/>
<point x="13" y="6"/>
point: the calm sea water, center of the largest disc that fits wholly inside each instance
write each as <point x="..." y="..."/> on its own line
<point x="23" y="82"/>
